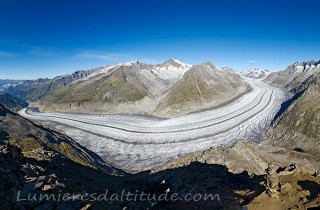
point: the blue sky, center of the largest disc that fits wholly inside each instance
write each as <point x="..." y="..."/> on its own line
<point x="46" y="38"/>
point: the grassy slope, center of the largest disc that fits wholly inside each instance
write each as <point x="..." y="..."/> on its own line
<point x="298" y="126"/>
<point x="121" y="88"/>
<point x="198" y="87"/>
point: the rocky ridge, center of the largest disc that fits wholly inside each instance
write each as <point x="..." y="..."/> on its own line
<point x="296" y="127"/>
<point x="34" y="90"/>
<point x="55" y="175"/>
<point x="5" y="83"/>
<point x="294" y="75"/>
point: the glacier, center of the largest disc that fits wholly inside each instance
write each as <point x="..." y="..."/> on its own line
<point x="135" y="143"/>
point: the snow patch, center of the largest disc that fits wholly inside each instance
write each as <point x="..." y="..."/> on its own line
<point x="184" y="65"/>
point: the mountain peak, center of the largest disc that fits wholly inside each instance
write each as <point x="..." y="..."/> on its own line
<point x="176" y="63"/>
<point x="255" y="68"/>
<point x="256" y="73"/>
<point x="303" y="67"/>
<point x="227" y="68"/>
<point x="209" y="64"/>
<point x="129" y="63"/>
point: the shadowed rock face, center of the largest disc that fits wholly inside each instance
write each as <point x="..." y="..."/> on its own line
<point x="298" y="125"/>
<point x="44" y="173"/>
<point x="11" y="102"/>
<point x="3" y="110"/>
<point x="47" y="172"/>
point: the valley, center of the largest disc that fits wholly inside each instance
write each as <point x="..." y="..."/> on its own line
<point x="135" y="142"/>
<point x="186" y="128"/>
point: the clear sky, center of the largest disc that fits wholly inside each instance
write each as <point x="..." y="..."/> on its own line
<point x="46" y="38"/>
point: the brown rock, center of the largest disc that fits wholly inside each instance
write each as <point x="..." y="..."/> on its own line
<point x="272" y="181"/>
<point x="48" y="187"/>
<point x="38" y="185"/>
<point x="42" y="178"/>
<point x="286" y="186"/>
<point x="30" y="179"/>
<point x="86" y="207"/>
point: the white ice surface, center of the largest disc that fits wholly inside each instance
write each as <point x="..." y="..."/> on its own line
<point x="133" y="142"/>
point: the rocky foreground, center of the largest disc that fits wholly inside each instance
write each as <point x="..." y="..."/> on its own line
<point x="45" y="172"/>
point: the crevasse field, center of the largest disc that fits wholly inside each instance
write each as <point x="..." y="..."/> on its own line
<point x="136" y="143"/>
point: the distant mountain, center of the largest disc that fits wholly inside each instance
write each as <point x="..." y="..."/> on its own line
<point x="11" y="102"/>
<point x="256" y="73"/>
<point x="294" y="75"/>
<point x="202" y="86"/>
<point x="33" y="90"/>
<point x="5" y="83"/>
<point x="169" y="89"/>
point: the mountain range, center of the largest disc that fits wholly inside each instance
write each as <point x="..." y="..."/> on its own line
<point x="5" y="83"/>
<point x="165" y="90"/>
<point x="294" y="75"/>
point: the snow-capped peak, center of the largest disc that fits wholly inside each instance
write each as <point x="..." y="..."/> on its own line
<point x="310" y="66"/>
<point x="229" y="69"/>
<point x="172" y="69"/>
<point x="256" y="70"/>
<point x="256" y="73"/>
<point x="176" y="63"/>
<point x="182" y="64"/>
<point x="129" y="63"/>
